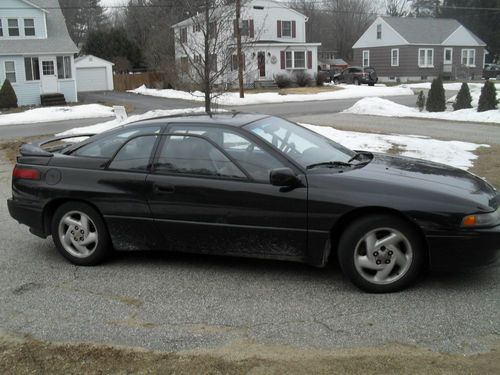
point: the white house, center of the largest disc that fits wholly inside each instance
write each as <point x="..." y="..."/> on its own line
<point x="274" y="42"/>
<point x="36" y="51"/>
<point x="93" y="74"/>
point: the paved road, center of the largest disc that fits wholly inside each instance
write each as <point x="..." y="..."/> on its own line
<point x="173" y="302"/>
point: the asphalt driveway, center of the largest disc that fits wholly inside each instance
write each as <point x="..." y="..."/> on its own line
<point x="171" y="302"/>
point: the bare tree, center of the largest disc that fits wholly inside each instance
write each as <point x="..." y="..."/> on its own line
<point x="397" y="8"/>
<point x="205" y="47"/>
<point x="349" y="19"/>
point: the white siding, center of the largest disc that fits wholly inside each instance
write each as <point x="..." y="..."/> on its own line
<point x="20" y="11"/>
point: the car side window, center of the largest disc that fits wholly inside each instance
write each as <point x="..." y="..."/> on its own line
<point x="257" y="162"/>
<point x="193" y="155"/>
<point x="135" y="154"/>
<point x="107" y="146"/>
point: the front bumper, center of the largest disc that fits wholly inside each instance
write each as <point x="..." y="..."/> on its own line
<point x="472" y="248"/>
<point x="26" y="213"/>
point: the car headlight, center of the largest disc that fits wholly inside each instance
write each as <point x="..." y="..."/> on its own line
<point x="489" y="219"/>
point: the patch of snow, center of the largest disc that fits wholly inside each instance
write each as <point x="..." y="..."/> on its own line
<point x="233" y="98"/>
<point x="387" y="108"/>
<point x="475" y="93"/>
<point x="102" y="127"/>
<point x="49" y="114"/>
<point x="454" y="86"/>
<point x="455" y="153"/>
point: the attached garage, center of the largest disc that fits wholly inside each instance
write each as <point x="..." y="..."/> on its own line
<point x="93" y="74"/>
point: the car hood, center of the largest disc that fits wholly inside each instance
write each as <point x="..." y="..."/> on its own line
<point x="409" y="174"/>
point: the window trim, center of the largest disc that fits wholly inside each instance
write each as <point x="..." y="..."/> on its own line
<point x="283" y="29"/>
<point x="17" y="27"/>
<point x="426" y="57"/>
<point x="450" y="61"/>
<point x="363" y="58"/>
<point x="294" y="67"/>
<point x="10" y="71"/>
<point x="161" y="143"/>
<point x="397" y="56"/>
<point x="30" y="58"/>
<point x="29" y="27"/>
<point x="379" y="31"/>
<point x="64" y="67"/>
<point x="468" y="55"/>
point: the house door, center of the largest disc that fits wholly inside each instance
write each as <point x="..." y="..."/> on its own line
<point x="49" y="76"/>
<point x="261" y="62"/>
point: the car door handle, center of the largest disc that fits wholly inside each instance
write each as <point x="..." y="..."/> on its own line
<point x="164" y="189"/>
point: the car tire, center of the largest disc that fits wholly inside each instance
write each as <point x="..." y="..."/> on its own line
<point x="371" y="84"/>
<point x="381" y="253"/>
<point x="336" y="81"/>
<point x="80" y="234"/>
<point x="356" y="82"/>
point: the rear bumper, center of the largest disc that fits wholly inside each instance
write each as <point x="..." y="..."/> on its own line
<point x="480" y="247"/>
<point x="26" y="213"/>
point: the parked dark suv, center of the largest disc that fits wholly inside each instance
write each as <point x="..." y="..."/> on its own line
<point x="357" y="75"/>
<point x="491" y="71"/>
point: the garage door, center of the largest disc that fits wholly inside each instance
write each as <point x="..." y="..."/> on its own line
<point x="91" y="79"/>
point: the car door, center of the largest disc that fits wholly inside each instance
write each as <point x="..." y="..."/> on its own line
<point x="118" y="189"/>
<point x="209" y="192"/>
<point x="347" y="76"/>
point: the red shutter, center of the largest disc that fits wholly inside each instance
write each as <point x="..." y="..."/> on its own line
<point x="282" y="58"/>
<point x="279" y="29"/>
<point x="294" y="29"/>
<point x="309" y="59"/>
<point x="252" y="31"/>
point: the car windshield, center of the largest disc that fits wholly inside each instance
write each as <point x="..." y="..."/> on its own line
<point x="302" y="145"/>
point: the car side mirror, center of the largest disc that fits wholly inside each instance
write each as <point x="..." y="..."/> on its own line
<point x="283" y="177"/>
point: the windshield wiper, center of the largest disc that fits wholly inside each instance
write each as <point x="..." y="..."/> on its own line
<point x="329" y="164"/>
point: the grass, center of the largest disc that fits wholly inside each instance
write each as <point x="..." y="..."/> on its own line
<point x="488" y="164"/>
<point x="29" y="356"/>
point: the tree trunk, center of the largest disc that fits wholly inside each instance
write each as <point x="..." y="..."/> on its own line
<point x="238" y="49"/>
<point x="208" y="62"/>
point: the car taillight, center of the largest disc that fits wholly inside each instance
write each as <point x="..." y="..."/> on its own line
<point x="26" y="173"/>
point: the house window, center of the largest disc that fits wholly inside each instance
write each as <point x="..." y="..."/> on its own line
<point x="184" y="64"/>
<point x="366" y="58"/>
<point x="63" y="67"/>
<point x="13" y="26"/>
<point x="295" y="60"/>
<point x="197" y="59"/>
<point x="299" y="59"/>
<point x="469" y="57"/>
<point x="426" y="57"/>
<point x="183" y="35"/>
<point x="234" y="62"/>
<point x="212" y="62"/>
<point x="448" y="56"/>
<point x="379" y="31"/>
<point x="245" y="28"/>
<point x="1" y="28"/>
<point x="212" y="30"/>
<point x="286" y="28"/>
<point x="395" y="57"/>
<point x="29" y="27"/>
<point x="10" y="71"/>
<point x="196" y="28"/>
<point x="48" y="68"/>
<point x="32" y="68"/>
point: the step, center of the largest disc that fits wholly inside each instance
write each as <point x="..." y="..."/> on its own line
<point x="55" y="99"/>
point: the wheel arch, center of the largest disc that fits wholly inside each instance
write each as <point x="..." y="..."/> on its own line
<point x="345" y="220"/>
<point x="51" y="207"/>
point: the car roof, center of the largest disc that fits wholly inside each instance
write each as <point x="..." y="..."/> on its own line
<point x="236" y="119"/>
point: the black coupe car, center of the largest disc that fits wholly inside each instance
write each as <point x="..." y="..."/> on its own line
<point x="255" y="186"/>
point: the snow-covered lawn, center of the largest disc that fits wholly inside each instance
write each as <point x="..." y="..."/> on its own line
<point x="233" y="99"/>
<point x="454" y="153"/>
<point x="49" y="114"/>
<point x="387" y="108"/>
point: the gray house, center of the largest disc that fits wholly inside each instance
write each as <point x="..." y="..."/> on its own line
<point x="36" y="52"/>
<point x="413" y="49"/>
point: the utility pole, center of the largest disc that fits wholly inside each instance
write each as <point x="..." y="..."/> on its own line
<point x="238" y="48"/>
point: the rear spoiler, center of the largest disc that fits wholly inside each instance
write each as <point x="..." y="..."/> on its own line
<point x="35" y="148"/>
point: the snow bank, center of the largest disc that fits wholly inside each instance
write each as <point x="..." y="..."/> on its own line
<point x="475" y="93"/>
<point x="233" y="99"/>
<point x="387" y="108"/>
<point x="102" y="127"/>
<point x="455" y="153"/>
<point x="49" y="114"/>
<point x="454" y="86"/>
